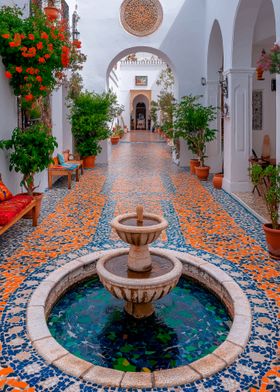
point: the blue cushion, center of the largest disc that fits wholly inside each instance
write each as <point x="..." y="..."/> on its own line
<point x="70" y="166"/>
<point x="60" y="158"/>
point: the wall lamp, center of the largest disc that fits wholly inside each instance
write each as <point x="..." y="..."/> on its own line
<point x="75" y="34"/>
<point x="203" y="81"/>
<point x="223" y="83"/>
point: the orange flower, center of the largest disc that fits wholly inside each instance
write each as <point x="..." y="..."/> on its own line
<point x="19" y="69"/>
<point x="29" y="97"/>
<point x="44" y="35"/>
<point x="12" y="44"/>
<point x="77" y="43"/>
<point x="43" y="88"/>
<point x="22" y="36"/>
<point x="8" y="74"/>
<point x="41" y="60"/>
<point x="39" y="79"/>
<point x="6" y="36"/>
<point x="23" y="49"/>
<point x="32" y="52"/>
<point x="50" y="47"/>
<point x="36" y="71"/>
<point x="31" y="37"/>
<point x="40" y="45"/>
<point x="30" y="70"/>
<point x="47" y="56"/>
<point x="17" y="39"/>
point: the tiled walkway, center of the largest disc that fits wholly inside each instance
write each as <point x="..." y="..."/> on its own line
<point x="202" y="221"/>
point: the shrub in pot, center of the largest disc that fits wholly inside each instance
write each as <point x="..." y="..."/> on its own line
<point x="270" y="188"/>
<point x="89" y="118"/>
<point x="192" y="124"/>
<point x="31" y="153"/>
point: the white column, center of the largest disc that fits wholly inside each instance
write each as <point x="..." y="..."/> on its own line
<point x="214" y="151"/>
<point x="238" y="131"/>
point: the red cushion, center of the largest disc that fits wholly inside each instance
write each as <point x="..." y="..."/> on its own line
<point x="5" y="193"/>
<point x="10" y="208"/>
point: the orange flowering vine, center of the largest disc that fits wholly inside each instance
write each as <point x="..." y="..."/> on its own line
<point x="35" y="51"/>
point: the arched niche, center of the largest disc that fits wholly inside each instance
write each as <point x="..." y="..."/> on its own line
<point x="215" y="54"/>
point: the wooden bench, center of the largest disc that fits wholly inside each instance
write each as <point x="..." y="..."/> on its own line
<point x="31" y="206"/>
<point x="57" y="170"/>
<point x="69" y="158"/>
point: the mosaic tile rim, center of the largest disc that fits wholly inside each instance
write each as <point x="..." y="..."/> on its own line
<point x="212" y="277"/>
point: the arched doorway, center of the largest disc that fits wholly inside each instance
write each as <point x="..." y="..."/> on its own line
<point x="250" y="24"/>
<point x="140" y="111"/>
<point x="143" y="66"/>
<point x="141" y="116"/>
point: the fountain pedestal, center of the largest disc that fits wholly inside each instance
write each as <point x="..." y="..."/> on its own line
<point x="139" y="276"/>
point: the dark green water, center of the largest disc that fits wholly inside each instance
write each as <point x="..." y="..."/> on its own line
<point x="188" y="323"/>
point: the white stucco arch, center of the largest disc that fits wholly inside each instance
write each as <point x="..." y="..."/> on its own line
<point x="142" y="49"/>
<point x="215" y="62"/>
<point x="215" y="54"/>
<point x="244" y="26"/>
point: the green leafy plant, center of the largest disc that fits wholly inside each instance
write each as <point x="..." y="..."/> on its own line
<point x="31" y="152"/>
<point x="270" y="189"/>
<point x="154" y="113"/>
<point x="192" y="124"/>
<point x="90" y="114"/>
<point x="166" y="100"/>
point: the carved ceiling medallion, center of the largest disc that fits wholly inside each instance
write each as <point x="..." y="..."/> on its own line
<point x="141" y="17"/>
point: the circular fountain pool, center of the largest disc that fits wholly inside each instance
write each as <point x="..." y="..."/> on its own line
<point x="186" y="327"/>
<point x="188" y="324"/>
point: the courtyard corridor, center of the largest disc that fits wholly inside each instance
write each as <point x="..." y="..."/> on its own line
<point x="202" y="221"/>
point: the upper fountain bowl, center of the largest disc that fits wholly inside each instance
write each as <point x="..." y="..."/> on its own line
<point x="136" y="233"/>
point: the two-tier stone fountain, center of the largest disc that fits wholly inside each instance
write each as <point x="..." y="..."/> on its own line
<point x="139" y="275"/>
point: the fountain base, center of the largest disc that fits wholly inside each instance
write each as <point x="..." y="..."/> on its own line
<point x="139" y="311"/>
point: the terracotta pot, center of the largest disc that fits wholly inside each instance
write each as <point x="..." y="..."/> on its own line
<point x="38" y="197"/>
<point x="259" y="72"/>
<point x="273" y="240"/>
<point x="218" y="180"/>
<point x="202" y="172"/>
<point x="51" y="12"/>
<point x="193" y="164"/>
<point x="89" y="162"/>
<point x="115" y="139"/>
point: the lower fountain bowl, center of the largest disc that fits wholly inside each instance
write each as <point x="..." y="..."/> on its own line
<point x="139" y="293"/>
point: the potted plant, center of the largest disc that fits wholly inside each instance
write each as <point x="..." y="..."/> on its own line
<point x="31" y="153"/>
<point x="192" y="124"/>
<point x="89" y="116"/>
<point x="268" y="180"/>
<point x="115" y="137"/>
<point x="270" y="61"/>
<point x="51" y="11"/>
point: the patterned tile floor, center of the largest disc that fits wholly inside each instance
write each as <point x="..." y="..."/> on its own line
<point x="202" y="221"/>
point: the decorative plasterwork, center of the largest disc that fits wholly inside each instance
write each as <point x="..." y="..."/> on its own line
<point x="141" y="17"/>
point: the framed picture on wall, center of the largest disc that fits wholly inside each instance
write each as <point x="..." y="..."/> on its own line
<point x="141" y="81"/>
<point x="257" y="110"/>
